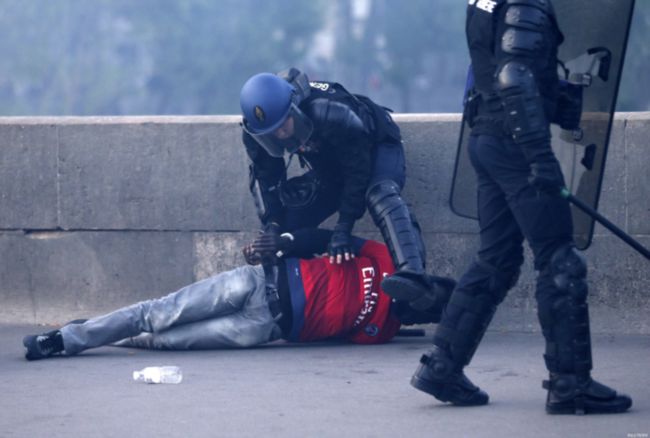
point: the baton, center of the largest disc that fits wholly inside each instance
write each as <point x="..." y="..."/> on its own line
<point x="566" y="194"/>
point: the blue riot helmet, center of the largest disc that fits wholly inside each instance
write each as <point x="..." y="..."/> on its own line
<point x="269" y="105"/>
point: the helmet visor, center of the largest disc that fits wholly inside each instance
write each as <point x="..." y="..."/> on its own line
<point x="293" y="133"/>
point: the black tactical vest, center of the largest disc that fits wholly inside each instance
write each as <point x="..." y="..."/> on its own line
<point x="483" y="22"/>
<point x="376" y="118"/>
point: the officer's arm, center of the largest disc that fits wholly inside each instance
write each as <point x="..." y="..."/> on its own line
<point x="350" y="137"/>
<point x="521" y="44"/>
<point x="306" y="242"/>
<point x="265" y="174"/>
<point x="309" y="241"/>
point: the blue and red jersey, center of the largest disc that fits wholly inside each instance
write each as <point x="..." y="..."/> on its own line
<point x="342" y="301"/>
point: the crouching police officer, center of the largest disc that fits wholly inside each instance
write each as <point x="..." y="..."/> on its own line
<point x="353" y="158"/>
<point x="513" y="46"/>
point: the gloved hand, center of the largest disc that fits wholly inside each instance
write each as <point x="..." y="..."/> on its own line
<point x="568" y="108"/>
<point x="546" y="176"/>
<point x="340" y="246"/>
<point x="271" y="244"/>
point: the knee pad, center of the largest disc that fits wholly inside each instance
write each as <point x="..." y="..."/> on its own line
<point x="383" y="197"/>
<point x="569" y="271"/>
<point x="564" y="313"/>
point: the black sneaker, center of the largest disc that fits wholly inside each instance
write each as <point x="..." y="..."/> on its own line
<point x="568" y="395"/>
<point x="434" y="376"/>
<point x="43" y="346"/>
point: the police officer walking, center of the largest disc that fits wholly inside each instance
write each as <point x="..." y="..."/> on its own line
<point x="354" y="158"/>
<point x="513" y="46"/>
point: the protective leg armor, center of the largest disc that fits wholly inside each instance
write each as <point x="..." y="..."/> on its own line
<point x="565" y="324"/>
<point x="466" y="318"/>
<point x="401" y="233"/>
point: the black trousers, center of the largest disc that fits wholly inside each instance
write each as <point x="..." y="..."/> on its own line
<point x="510" y="210"/>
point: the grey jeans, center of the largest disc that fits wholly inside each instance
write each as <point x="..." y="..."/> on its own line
<point x="229" y="309"/>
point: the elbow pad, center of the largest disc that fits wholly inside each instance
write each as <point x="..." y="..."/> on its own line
<point x="524" y="107"/>
<point x="527" y="22"/>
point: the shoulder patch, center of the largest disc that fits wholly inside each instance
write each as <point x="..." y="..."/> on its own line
<point x="485" y="5"/>
<point x="323" y="86"/>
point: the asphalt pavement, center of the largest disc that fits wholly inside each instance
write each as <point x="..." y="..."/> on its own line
<point x="315" y="390"/>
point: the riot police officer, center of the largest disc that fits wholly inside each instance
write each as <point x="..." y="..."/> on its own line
<point x="354" y="158"/>
<point x="513" y="46"/>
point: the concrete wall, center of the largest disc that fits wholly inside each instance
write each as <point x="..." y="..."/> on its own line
<point x="97" y="213"/>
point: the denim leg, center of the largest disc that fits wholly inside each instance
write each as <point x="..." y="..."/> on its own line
<point x="250" y="326"/>
<point x="222" y="294"/>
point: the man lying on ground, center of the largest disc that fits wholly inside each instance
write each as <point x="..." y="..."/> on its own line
<point x="306" y="298"/>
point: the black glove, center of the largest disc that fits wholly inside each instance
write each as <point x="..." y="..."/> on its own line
<point x="568" y="108"/>
<point x="271" y="244"/>
<point x="546" y="176"/>
<point x="340" y="246"/>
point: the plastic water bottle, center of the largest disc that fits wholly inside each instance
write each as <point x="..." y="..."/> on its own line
<point x="166" y="374"/>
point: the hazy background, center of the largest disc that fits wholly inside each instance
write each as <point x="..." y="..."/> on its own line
<point x="129" y="57"/>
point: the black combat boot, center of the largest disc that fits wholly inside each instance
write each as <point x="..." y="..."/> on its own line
<point x="566" y="328"/>
<point x="436" y="375"/>
<point x="43" y="346"/>
<point x="568" y="394"/>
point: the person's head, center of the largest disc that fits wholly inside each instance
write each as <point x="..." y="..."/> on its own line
<point x="271" y="114"/>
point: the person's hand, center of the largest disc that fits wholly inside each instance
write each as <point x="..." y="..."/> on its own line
<point x="251" y="257"/>
<point x="546" y="176"/>
<point x="340" y="247"/>
<point x="271" y="244"/>
<point x="260" y="254"/>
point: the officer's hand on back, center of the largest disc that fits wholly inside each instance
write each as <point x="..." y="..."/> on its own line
<point x="340" y="247"/>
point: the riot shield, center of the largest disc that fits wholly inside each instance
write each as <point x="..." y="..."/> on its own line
<point x="596" y="33"/>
